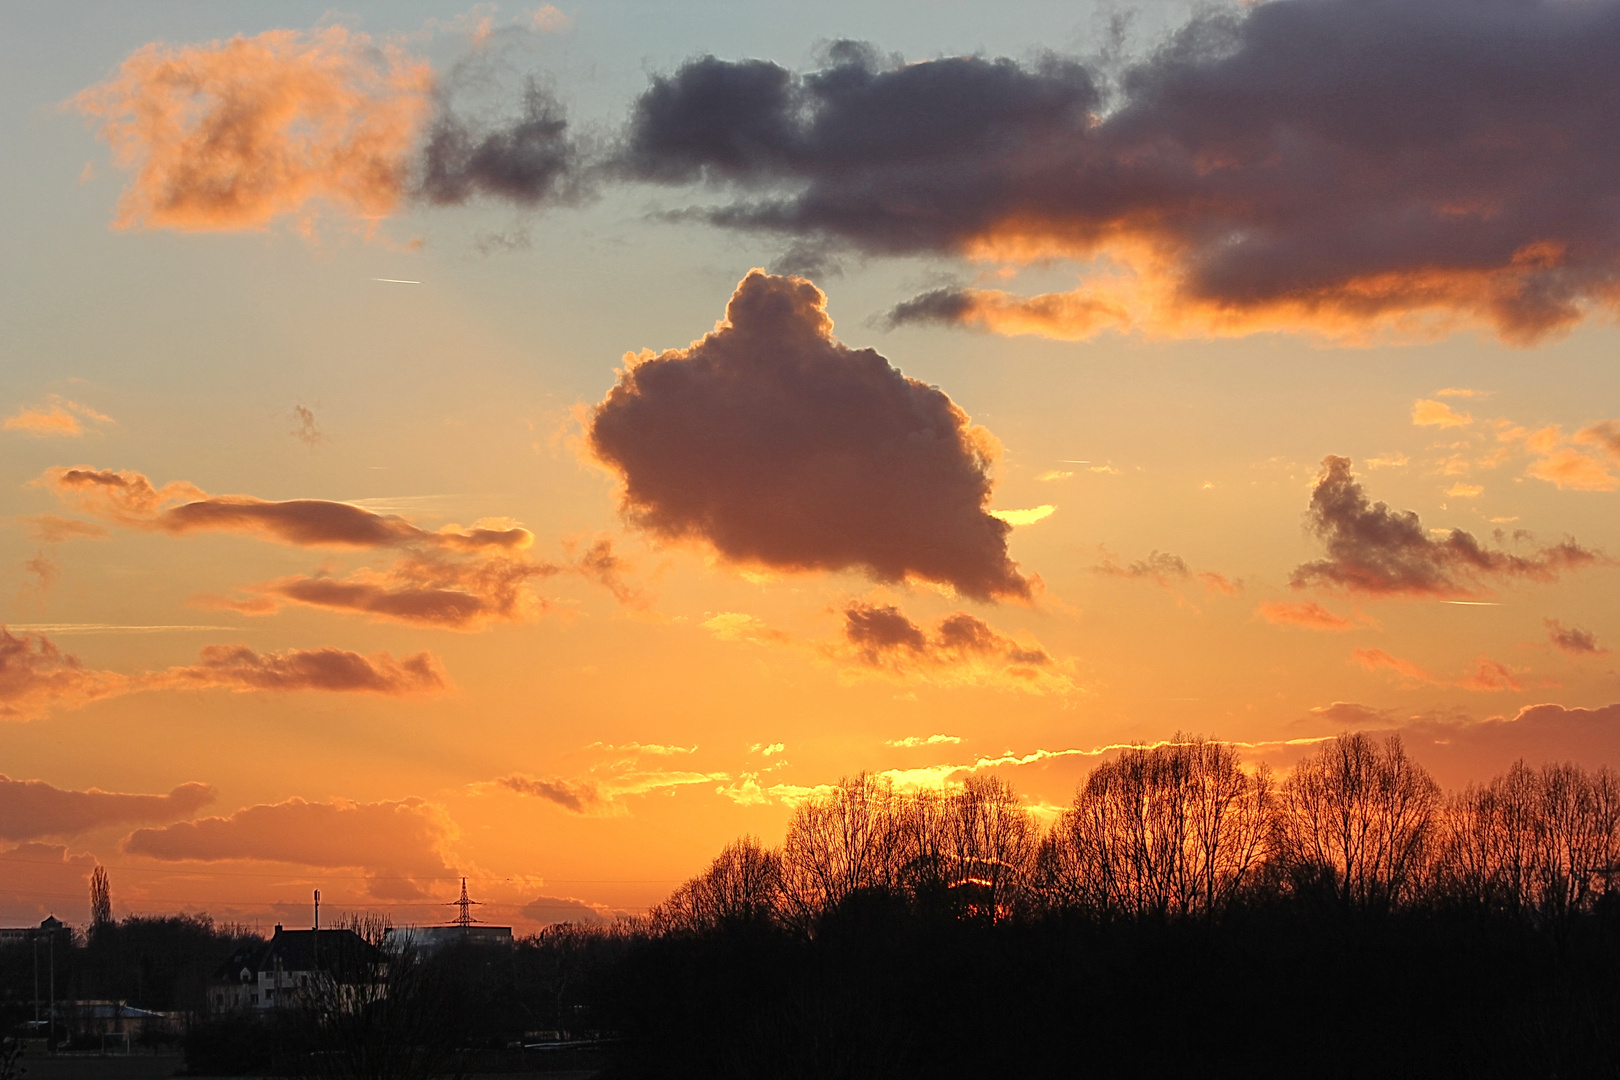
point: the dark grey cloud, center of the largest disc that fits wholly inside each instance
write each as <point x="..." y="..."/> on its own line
<point x="884" y="636"/>
<point x="775" y="444"/>
<point x="529" y="160"/>
<point x="1572" y="639"/>
<point x="577" y="796"/>
<point x="1373" y="549"/>
<point x="1325" y="162"/>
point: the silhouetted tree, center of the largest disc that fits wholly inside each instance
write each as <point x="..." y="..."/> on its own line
<point x="743" y="886"/>
<point x="993" y="841"/>
<point x="1538" y="840"/>
<point x="840" y="843"/>
<point x="101" y="915"/>
<point x="1167" y="830"/>
<point x="1363" y="813"/>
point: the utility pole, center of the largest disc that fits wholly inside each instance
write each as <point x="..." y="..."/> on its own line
<point x="52" y="944"/>
<point x="317" y="932"/>
<point x="35" y="937"/>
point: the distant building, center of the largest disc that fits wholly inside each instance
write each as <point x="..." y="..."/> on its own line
<point x="287" y="968"/>
<point x="88" y="1018"/>
<point x="15" y="935"/>
<point x="430" y="939"/>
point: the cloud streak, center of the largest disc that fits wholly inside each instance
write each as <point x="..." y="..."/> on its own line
<point x="36" y="676"/>
<point x="458" y="578"/>
<point x="1488" y="676"/>
<point x="33" y="809"/>
<point x="1309" y="616"/>
<point x="776" y="446"/>
<point x="1165" y="569"/>
<point x="58" y="417"/>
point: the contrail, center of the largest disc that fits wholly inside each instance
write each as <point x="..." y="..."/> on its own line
<point x="396" y="281"/>
<point x="1473" y="603"/>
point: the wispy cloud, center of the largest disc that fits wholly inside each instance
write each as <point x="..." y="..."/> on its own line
<point x="57" y="417"/>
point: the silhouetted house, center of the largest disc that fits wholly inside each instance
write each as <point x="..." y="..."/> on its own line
<point x="430" y="939"/>
<point x="293" y="965"/>
<point x="17" y="935"/>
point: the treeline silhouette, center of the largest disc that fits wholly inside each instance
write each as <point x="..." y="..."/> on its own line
<point x="162" y="963"/>
<point x="1185" y="915"/>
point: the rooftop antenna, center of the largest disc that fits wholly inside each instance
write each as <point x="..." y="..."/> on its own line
<point x="465" y="918"/>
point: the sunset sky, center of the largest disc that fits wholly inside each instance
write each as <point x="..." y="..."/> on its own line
<point x="542" y="444"/>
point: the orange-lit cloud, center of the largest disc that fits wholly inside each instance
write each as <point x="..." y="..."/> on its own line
<point x="1427" y="413"/>
<point x="1488" y="675"/>
<point x="1408" y="179"/>
<point x="1572" y="639"/>
<point x="1375" y="550"/>
<point x="1572" y="470"/>
<point x="238" y="134"/>
<point x="234" y="134"/>
<point x="398" y="845"/>
<point x="36" y="676"/>
<point x="57" y="417"/>
<point x="32" y="809"/>
<point x="1310" y="616"/>
<point x="777" y="446"/>
<point x="1558" y="459"/>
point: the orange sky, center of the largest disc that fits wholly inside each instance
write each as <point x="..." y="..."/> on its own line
<point x="410" y="472"/>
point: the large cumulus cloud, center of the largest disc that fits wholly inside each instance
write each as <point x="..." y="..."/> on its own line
<point x="1337" y="164"/>
<point x="397" y="843"/>
<point x="778" y="446"/>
